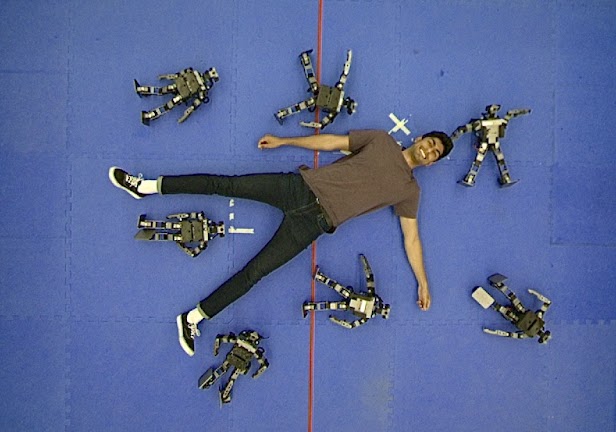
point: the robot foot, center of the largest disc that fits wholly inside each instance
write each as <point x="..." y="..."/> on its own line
<point x="205" y="381"/>
<point x="137" y="85"/>
<point x="507" y="183"/>
<point x="145" y="120"/>
<point x="467" y="183"/>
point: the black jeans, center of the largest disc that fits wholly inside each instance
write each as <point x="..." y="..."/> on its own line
<point x="304" y="221"/>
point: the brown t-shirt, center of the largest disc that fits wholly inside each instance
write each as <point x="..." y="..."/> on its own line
<point x="374" y="176"/>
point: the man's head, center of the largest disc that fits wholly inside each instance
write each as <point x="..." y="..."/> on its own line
<point x="429" y="148"/>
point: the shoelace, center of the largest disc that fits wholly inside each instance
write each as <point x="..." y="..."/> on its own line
<point x="134" y="181"/>
<point x="193" y="330"/>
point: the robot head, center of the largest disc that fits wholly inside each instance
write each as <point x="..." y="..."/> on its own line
<point x="491" y="111"/>
<point x="212" y="73"/>
<point x="385" y="311"/>
<point x="251" y="336"/>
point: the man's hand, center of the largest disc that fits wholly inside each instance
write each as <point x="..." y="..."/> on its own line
<point x="424" y="298"/>
<point x="270" y="142"/>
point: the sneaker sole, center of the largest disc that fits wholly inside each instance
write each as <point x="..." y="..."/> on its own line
<point x="183" y="344"/>
<point x="118" y="185"/>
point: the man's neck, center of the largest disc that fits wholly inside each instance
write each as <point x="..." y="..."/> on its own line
<point x="409" y="158"/>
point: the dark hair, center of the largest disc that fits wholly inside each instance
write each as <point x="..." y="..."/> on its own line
<point x="444" y="138"/>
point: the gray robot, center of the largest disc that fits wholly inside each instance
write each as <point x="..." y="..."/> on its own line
<point x="364" y="305"/>
<point x="245" y="348"/>
<point x="187" y="84"/>
<point x="530" y="324"/>
<point x="489" y="129"/>
<point x="330" y="99"/>
<point x="191" y="231"/>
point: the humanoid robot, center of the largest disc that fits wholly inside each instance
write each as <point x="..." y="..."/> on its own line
<point x="187" y="84"/>
<point x="330" y="99"/>
<point x="488" y="129"/>
<point x="529" y="323"/>
<point x="363" y="305"/>
<point x="188" y="229"/>
<point x="246" y="346"/>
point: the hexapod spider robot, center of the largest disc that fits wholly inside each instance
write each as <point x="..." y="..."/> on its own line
<point x="189" y="229"/>
<point x="488" y="129"/>
<point x="187" y="84"/>
<point x="363" y="305"/>
<point x="529" y="323"/>
<point x="245" y="347"/>
<point x="330" y="99"/>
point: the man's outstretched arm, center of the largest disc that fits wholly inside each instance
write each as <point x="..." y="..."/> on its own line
<point x="321" y="142"/>
<point x="414" y="254"/>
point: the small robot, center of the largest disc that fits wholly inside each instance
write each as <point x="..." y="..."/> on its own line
<point x="330" y="99"/>
<point x="246" y="346"/>
<point x="363" y="305"/>
<point x="488" y="129"/>
<point x="187" y="84"/>
<point x="529" y="323"/>
<point x="187" y="229"/>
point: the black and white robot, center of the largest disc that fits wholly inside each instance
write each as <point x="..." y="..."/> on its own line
<point x="489" y="129"/>
<point x="191" y="231"/>
<point x="530" y="324"/>
<point x="245" y="348"/>
<point x="364" y="305"/>
<point x="187" y="85"/>
<point x="330" y="100"/>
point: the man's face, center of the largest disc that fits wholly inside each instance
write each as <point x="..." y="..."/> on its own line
<point x="426" y="151"/>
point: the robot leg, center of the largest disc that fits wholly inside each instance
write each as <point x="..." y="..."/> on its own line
<point x="342" y="290"/>
<point x="309" y="71"/>
<point x="156" y="230"/>
<point x="497" y="280"/>
<point x="225" y="392"/>
<point x="154" y="91"/>
<point x="294" y="109"/>
<point x="212" y="375"/>
<point x="505" y="178"/>
<point x="148" y="116"/>
<point x="469" y="179"/>
<point x="324" y="305"/>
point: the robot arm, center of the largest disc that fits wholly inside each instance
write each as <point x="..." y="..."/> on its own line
<point x="515" y="335"/>
<point x="462" y="130"/>
<point x="320" y="125"/>
<point x="264" y="364"/>
<point x="516" y="113"/>
<point x="168" y="76"/>
<point x="546" y="302"/>
<point x="345" y="71"/>
<point x="369" y="275"/>
<point x="346" y="324"/>
<point x="230" y="338"/>
<point x="201" y="99"/>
